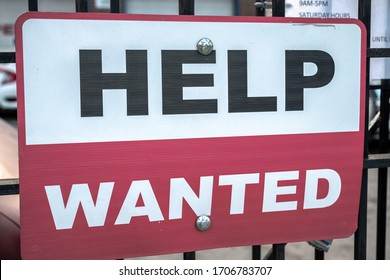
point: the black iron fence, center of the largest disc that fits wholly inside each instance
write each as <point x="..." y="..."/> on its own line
<point x="378" y="159"/>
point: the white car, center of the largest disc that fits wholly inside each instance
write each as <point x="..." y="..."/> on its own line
<point x="7" y="87"/>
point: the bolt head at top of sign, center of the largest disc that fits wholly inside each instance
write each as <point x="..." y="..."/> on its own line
<point x="205" y="46"/>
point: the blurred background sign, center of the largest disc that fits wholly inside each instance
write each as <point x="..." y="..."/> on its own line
<point x="322" y="8"/>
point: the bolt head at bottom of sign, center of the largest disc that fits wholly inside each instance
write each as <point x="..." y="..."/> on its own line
<point x="203" y="223"/>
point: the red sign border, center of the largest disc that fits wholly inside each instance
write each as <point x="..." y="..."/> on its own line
<point x="91" y="16"/>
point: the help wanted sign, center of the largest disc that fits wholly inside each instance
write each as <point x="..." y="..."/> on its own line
<point x="145" y="135"/>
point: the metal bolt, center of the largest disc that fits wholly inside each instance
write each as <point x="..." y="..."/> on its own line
<point x="203" y="223"/>
<point x="205" y="46"/>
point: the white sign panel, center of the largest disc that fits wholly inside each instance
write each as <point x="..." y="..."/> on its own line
<point x="327" y="106"/>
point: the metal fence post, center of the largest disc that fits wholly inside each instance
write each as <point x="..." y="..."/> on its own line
<point x="82" y="6"/>
<point x="278" y="9"/>
<point x="33" y="5"/>
<point x="382" y="174"/>
<point x="187" y="7"/>
<point x="115" y="6"/>
<point x="360" y="245"/>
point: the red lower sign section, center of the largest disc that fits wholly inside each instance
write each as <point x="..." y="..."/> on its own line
<point x="256" y="190"/>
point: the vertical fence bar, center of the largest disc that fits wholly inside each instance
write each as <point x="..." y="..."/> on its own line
<point x="278" y="251"/>
<point x="115" y="6"/>
<point x="187" y="7"/>
<point x="256" y="252"/>
<point x="381" y="214"/>
<point x="33" y="5"/>
<point x="256" y="249"/>
<point x="236" y="7"/>
<point x="382" y="175"/>
<point x="260" y="9"/>
<point x="82" y="6"/>
<point x="319" y="254"/>
<point x="189" y="255"/>
<point x="360" y="244"/>
<point x="278" y="8"/>
<point x="360" y="238"/>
